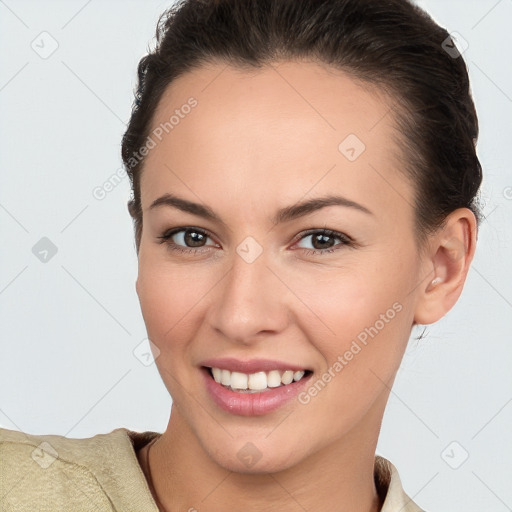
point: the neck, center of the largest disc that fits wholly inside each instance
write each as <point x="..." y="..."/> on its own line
<point x="340" y="477"/>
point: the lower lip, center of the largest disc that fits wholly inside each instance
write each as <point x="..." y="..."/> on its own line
<point x="252" y="404"/>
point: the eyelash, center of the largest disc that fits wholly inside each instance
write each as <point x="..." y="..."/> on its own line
<point x="346" y="241"/>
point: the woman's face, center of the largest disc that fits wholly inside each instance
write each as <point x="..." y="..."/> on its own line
<point x="254" y="285"/>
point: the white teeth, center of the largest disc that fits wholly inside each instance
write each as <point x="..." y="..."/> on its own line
<point x="287" y="377"/>
<point x="217" y="372"/>
<point x="298" y="375"/>
<point x="238" y="380"/>
<point x="225" y="377"/>
<point x="273" y="379"/>
<point x="255" y="382"/>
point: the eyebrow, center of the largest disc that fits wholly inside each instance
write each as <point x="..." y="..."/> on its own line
<point x="285" y="214"/>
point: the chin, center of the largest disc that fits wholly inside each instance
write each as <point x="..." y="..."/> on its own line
<point x="256" y="455"/>
<point x="260" y="463"/>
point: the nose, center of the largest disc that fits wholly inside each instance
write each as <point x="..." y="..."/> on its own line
<point x="251" y="302"/>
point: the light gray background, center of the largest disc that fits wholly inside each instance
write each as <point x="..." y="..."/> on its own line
<point x="70" y="325"/>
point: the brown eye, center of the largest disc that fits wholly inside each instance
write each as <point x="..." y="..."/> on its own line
<point x="321" y="241"/>
<point x="188" y="239"/>
<point x="194" y="238"/>
<point x="324" y="241"/>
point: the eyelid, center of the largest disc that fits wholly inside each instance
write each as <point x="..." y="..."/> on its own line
<point x="324" y="231"/>
<point x="173" y="231"/>
<point x="346" y="240"/>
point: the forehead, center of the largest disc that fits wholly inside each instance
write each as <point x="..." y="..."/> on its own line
<point x="282" y="129"/>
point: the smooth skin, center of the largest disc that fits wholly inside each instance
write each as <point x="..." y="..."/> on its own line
<point x="259" y="141"/>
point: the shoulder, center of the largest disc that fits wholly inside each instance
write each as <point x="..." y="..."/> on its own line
<point x="53" y="472"/>
<point x="390" y="488"/>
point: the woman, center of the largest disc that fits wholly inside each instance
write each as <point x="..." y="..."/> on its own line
<point x="304" y="185"/>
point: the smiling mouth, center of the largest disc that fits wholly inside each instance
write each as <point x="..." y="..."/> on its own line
<point x="255" y="382"/>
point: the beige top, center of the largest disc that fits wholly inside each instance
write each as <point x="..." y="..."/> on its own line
<point x="49" y="473"/>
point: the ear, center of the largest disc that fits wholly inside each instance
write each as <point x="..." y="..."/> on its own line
<point x="447" y="260"/>
<point x="137" y="286"/>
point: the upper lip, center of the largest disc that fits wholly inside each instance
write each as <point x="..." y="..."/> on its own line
<point x="251" y="366"/>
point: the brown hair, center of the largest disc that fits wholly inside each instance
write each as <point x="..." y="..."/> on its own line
<point x="388" y="44"/>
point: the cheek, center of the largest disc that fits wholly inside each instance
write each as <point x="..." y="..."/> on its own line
<point x="364" y="310"/>
<point x="368" y="315"/>
<point x="156" y="301"/>
<point x="170" y="297"/>
<point x="167" y="298"/>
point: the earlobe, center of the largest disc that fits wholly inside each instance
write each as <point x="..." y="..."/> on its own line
<point x="451" y="253"/>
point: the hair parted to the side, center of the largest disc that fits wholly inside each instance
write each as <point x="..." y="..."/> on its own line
<point x="391" y="45"/>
